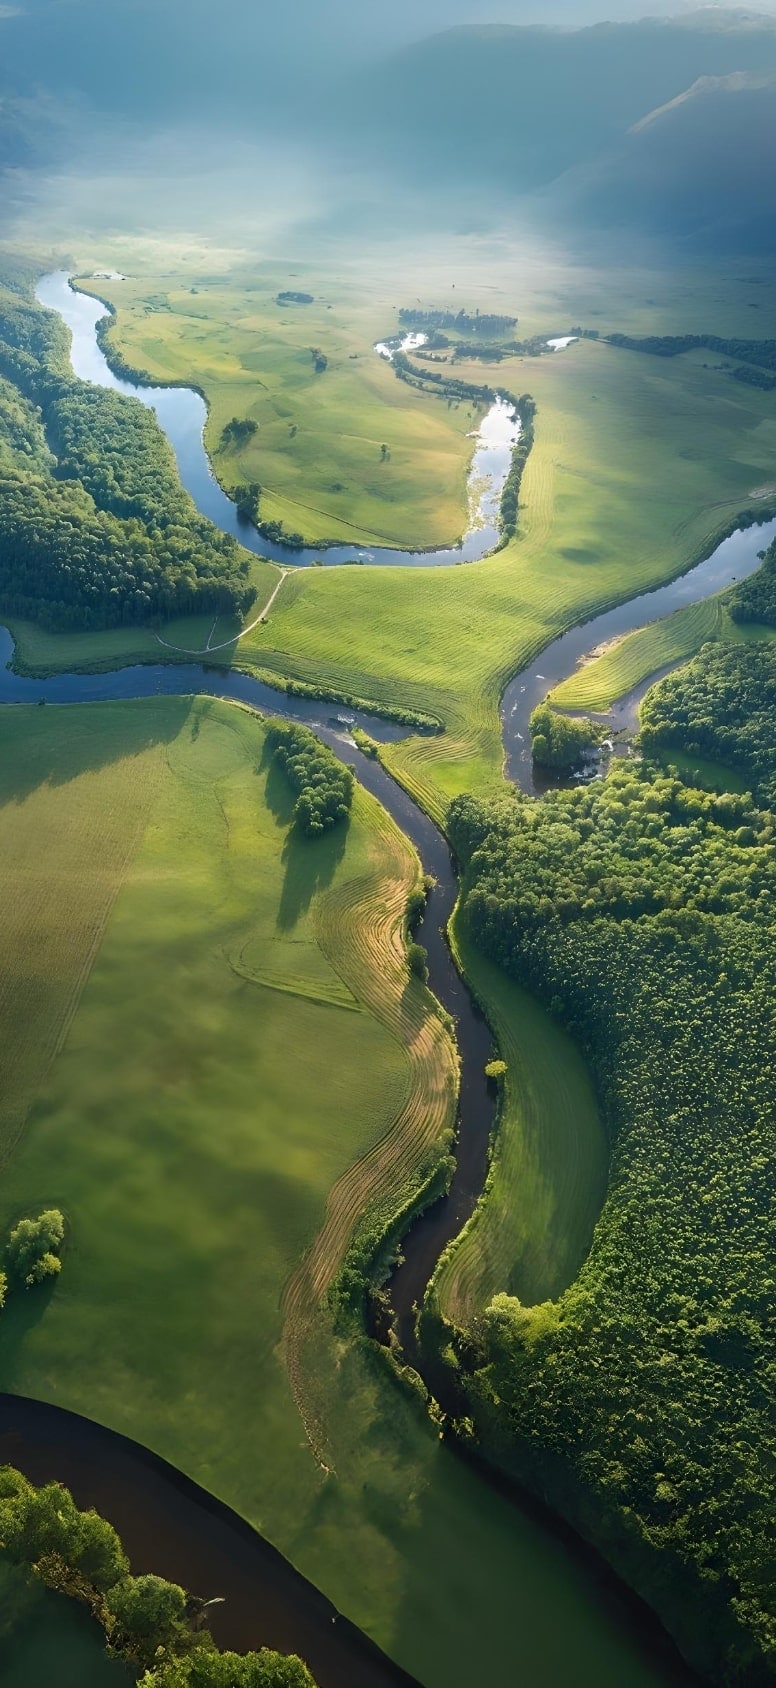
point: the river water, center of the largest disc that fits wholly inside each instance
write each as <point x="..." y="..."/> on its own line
<point x="139" y="1492"/>
<point x="182" y="413"/>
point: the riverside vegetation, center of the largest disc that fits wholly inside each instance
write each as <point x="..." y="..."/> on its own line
<point x="151" y="1624"/>
<point x="95" y="528"/>
<point x="407" y="641"/>
<point x="642" y="913"/>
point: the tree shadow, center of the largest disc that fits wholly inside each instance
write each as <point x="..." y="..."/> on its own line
<point x="25" y="1309"/>
<point x="310" y="865"/>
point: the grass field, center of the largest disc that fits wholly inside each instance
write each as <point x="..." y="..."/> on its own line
<point x="318" y="451"/>
<point x="612" y="427"/>
<point x="246" y="1037"/>
<point x="613" y="672"/>
<point x="549" y="1171"/>
<point x="622" y="666"/>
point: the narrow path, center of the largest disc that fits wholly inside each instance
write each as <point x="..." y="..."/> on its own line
<point x="186" y="650"/>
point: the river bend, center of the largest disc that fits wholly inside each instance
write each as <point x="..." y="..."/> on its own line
<point x="43" y="1440"/>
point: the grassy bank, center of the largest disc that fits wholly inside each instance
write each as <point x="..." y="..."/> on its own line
<point x="247" y="1070"/>
<point x="548" y="1176"/>
<point x="611" y="427"/>
<point x="317" y="449"/>
<point x="623" y="665"/>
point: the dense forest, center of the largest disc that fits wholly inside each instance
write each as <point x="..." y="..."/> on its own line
<point x="722" y="705"/>
<point x="95" y="527"/>
<point x="755" y="599"/>
<point x="642" y="913"/>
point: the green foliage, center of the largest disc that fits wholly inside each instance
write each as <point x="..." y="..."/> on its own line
<point x="559" y="742"/>
<point x="496" y="1072"/>
<point x="32" y="1252"/>
<point x="762" y="352"/>
<point x="207" y="1669"/>
<point x="45" y="1524"/>
<point x="102" y="534"/>
<point x="325" y="787"/>
<point x="238" y="431"/>
<point x="290" y="298"/>
<point x="417" y="960"/>
<point x="416" y="905"/>
<point x="462" y="321"/>
<point x="144" y="1614"/>
<point x="80" y="1555"/>
<point x="722" y="706"/>
<point x="510" y="496"/>
<point x="755" y="599"/>
<point x="642" y="913"/>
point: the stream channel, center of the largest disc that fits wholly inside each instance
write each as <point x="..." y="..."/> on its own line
<point x="168" y="1522"/>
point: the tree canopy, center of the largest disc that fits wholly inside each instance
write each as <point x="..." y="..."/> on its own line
<point x="642" y="913"/>
<point x="95" y="527"/>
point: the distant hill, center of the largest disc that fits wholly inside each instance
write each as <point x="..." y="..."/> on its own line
<point x="521" y="106"/>
<point x="664" y="125"/>
<point x="700" y="168"/>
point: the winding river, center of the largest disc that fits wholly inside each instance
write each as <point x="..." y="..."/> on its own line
<point x="167" y="1520"/>
<point x="182" y="413"/>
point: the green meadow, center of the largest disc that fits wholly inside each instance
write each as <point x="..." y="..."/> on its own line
<point x="639" y="464"/>
<point x="613" y="672"/>
<point x="547" y="1182"/>
<point x="317" y="450"/>
<point x="239" y="1067"/>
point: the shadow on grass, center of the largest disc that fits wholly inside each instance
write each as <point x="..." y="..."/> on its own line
<point x="54" y="746"/>
<point x="310" y="863"/>
<point x="25" y="1309"/>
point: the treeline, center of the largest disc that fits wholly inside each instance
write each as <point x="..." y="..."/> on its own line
<point x="762" y="352"/>
<point x="722" y="706"/>
<point x="456" y="391"/>
<point x="510" y="497"/>
<point x="95" y="527"/>
<point x="152" y="1624"/>
<point x="755" y="598"/>
<point x="324" y="785"/>
<point x="462" y="322"/>
<point x="642" y="914"/>
<point x="451" y="387"/>
<point x="754" y="377"/>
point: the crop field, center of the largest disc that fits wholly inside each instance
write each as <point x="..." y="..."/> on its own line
<point x="549" y="1171"/>
<point x="622" y="666"/>
<point x="248" y="1067"/>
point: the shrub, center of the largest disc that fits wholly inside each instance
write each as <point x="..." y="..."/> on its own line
<point x="417" y="961"/>
<point x="33" y="1248"/>
<point x="146" y="1613"/>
